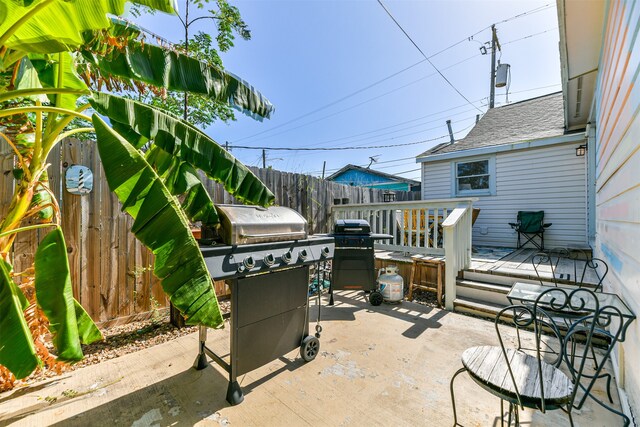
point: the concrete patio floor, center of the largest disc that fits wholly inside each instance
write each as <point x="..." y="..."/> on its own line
<point x="387" y="365"/>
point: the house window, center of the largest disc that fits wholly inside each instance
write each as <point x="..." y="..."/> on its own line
<point x="475" y="177"/>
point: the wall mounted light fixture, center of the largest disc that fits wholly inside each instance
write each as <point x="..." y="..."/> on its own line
<point x="581" y="150"/>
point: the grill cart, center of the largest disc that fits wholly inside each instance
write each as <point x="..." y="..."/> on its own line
<point x="265" y="256"/>
<point x="353" y="265"/>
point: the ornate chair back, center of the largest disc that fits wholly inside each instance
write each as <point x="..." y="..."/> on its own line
<point x="574" y="346"/>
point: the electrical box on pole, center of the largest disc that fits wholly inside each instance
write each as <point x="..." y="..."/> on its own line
<point x="502" y="74"/>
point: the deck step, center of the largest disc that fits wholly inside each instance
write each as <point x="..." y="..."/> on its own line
<point x="476" y="307"/>
<point x="489" y="311"/>
<point x="501" y="278"/>
<point x="494" y="293"/>
<point x="484" y="286"/>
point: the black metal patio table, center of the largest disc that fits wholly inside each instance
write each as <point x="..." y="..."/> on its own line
<point x="527" y="293"/>
<point x="566" y="303"/>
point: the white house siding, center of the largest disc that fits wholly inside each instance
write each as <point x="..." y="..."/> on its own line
<point x="618" y="176"/>
<point x="549" y="178"/>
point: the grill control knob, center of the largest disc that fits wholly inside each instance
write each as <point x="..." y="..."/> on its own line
<point x="269" y="260"/>
<point x="324" y="252"/>
<point x="249" y="262"/>
<point x="287" y="256"/>
<point x="302" y="255"/>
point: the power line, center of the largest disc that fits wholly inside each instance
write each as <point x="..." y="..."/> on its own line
<point x="520" y="15"/>
<point x="366" y="101"/>
<point x="246" y="147"/>
<point x="536" y="88"/>
<point x="385" y="94"/>
<point x="412" y="170"/>
<point x="425" y="56"/>
<point x="402" y="29"/>
<point x="529" y="36"/>
<point x="428" y="115"/>
<point x="380" y="141"/>
<point x="529" y="12"/>
<point x="324" y="107"/>
<point x="390" y="76"/>
<point x="384" y="167"/>
<point x="392" y="126"/>
<point x="377" y="97"/>
<point x="385" y="135"/>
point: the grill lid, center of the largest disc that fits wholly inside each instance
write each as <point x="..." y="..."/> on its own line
<point x="243" y="224"/>
<point x="352" y="226"/>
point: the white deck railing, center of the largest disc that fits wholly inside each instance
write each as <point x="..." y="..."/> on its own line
<point x="432" y="227"/>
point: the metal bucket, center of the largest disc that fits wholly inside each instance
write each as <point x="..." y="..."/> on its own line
<point x="391" y="284"/>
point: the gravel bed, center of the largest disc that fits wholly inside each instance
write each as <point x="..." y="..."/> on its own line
<point x="121" y="340"/>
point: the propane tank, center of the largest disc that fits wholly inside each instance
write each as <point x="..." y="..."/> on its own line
<point x="391" y="284"/>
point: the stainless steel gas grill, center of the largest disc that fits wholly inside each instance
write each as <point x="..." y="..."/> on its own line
<point x="265" y="254"/>
<point x="353" y="266"/>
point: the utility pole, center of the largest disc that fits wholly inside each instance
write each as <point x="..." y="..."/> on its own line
<point x="264" y="159"/>
<point x="324" y="165"/>
<point x="494" y="43"/>
<point x="226" y="146"/>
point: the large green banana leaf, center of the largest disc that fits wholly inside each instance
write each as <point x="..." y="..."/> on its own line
<point x="181" y="178"/>
<point x="186" y="142"/>
<point x="88" y="332"/>
<point x="164" y="67"/>
<point x="59" y="71"/>
<point x="161" y="226"/>
<point x="58" y="25"/>
<point x="17" y="352"/>
<point x="55" y="296"/>
<point x="26" y="77"/>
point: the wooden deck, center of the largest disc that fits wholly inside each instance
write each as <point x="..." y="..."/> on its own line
<point x="518" y="263"/>
<point x="500" y="261"/>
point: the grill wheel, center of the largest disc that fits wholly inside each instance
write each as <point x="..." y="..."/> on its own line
<point x="375" y="298"/>
<point x="309" y="348"/>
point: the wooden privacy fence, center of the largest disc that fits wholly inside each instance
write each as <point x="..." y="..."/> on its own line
<point x="311" y="196"/>
<point x="111" y="271"/>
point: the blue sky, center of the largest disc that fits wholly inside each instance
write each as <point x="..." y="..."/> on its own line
<point x="319" y="62"/>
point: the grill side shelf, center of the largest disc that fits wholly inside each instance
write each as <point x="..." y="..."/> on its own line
<point x="230" y="261"/>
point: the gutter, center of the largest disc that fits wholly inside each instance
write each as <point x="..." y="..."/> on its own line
<point x="536" y="143"/>
<point x="564" y="58"/>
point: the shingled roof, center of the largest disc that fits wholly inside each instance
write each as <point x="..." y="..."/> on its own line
<point x="535" y="118"/>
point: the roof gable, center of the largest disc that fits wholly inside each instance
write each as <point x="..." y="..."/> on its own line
<point x="532" y="119"/>
<point x="386" y="176"/>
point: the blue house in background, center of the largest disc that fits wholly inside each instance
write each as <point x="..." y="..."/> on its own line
<point x="363" y="177"/>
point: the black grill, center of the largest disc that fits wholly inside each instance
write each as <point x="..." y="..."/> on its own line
<point x="269" y="284"/>
<point x="353" y="265"/>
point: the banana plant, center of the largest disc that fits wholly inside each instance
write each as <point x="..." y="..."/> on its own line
<point x="51" y="53"/>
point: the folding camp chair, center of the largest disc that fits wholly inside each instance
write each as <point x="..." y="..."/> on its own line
<point x="474" y="215"/>
<point x="530" y="225"/>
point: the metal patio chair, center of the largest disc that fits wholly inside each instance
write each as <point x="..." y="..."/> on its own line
<point x="598" y="267"/>
<point x="535" y="379"/>
<point x="530" y="225"/>
<point x="582" y="265"/>
<point x="587" y="271"/>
